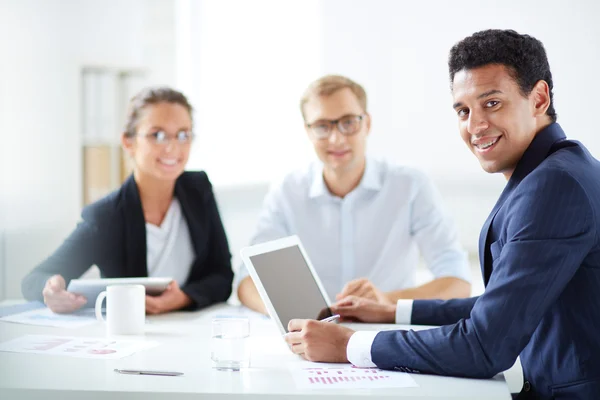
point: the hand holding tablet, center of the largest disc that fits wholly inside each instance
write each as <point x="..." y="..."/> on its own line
<point x="58" y="299"/>
<point x="91" y="288"/>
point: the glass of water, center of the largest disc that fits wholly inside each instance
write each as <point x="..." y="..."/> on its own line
<point x="230" y="349"/>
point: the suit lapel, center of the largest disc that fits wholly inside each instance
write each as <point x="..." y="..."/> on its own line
<point x="135" y="230"/>
<point x="483" y="241"/>
<point x="191" y="213"/>
<point x="541" y="146"/>
<point x="484" y="234"/>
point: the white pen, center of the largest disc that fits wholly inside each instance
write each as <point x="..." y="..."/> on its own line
<point x="333" y="318"/>
<point x="147" y="372"/>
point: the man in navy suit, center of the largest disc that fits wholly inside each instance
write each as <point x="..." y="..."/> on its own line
<point x="539" y="248"/>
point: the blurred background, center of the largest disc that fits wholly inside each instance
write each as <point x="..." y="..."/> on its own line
<point x="68" y="68"/>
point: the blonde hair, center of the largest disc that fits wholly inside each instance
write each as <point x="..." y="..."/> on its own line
<point x="330" y="84"/>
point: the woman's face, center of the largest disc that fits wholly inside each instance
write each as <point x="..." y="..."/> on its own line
<point x="161" y="147"/>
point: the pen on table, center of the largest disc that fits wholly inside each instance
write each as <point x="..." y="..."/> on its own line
<point x="147" y="372"/>
<point x="333" y="318"/>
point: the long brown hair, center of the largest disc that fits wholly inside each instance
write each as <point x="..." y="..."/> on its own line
<point x="149" y="96"/>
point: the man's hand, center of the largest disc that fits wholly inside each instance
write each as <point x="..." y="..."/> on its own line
<point x="169" y="300"/>
<point x="58" y="299"/>
<point x="365" y="310"/>
<point x="318" y="341"/>
<point x="248" y="295"/>
<point x="363" y="287"/>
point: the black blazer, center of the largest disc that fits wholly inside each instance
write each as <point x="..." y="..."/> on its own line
<point x="112" y="235"/>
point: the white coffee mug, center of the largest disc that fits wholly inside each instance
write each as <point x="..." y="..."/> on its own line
<point x="125" y="309"/>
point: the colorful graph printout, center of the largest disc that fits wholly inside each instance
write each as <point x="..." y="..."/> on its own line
<point x="340" y="376"/>
<point x="81" y="347"/>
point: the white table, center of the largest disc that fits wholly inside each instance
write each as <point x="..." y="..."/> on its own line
<point x="184" y="346"/>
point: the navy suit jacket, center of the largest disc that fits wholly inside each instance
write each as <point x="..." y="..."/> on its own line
<point x="112" y="235"/>
<point x="540" y="258"/>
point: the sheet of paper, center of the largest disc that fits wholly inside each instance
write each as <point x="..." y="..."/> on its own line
<point x="346" y="376"/>
<point x="20" y="307"/>
<point x="81" y="347"/>
<point x="45" y="317"/>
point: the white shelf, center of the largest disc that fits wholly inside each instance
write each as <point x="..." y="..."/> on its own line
<point x="105" y="93"/>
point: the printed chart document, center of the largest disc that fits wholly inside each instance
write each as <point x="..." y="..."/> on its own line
<point x="45" y="317"/>
<point x="81" y="347"/>
<point x="20" y="307"/>
<point x="346" y="376"/>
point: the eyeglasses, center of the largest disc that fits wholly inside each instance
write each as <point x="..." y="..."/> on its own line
<point x="348" y="125"/>
<point x="161" y="137"/>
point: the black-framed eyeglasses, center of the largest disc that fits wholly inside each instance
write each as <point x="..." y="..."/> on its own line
<point x="348" y="125"/>
<point x="162" y="138"/>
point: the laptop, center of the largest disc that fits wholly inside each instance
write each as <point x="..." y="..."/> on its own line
<point x="286" y="281"/>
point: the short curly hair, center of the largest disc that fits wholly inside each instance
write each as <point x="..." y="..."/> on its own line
<point x="524" y="57"/>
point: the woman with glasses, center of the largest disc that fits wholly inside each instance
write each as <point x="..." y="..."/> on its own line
<point x="162" y="222"/>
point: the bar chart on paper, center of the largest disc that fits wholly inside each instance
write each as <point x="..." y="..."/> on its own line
<point x="81" y="347"/>
<point x="45" y="317"/>
<point x="341" y="376"/>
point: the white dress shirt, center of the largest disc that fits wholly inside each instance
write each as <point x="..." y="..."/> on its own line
<point x="377" y="231"/>
<point x="358" y="350"/>
<point x="169" y="247"/>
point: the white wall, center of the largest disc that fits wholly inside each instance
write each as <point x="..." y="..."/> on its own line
<point x="248" y="62"/>
<point x="3" y="279"/>
<point x="399" y="50"/>
<point x="44" y="44"/>
<point x="239" y="207"/>
<point x="251" y="61"/>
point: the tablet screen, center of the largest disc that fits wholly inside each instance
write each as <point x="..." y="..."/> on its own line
<point x="292" y="289"/>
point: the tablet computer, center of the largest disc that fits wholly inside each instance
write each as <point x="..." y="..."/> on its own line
<point x="286" y="281"/>
<point x="91" y="288"/>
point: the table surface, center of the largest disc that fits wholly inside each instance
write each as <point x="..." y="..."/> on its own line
<point x="184" y="339"/>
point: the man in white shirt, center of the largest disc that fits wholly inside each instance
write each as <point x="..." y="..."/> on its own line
<point x="362" y="222"/>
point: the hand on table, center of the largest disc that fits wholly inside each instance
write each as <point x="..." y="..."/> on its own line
<point x="171" y="299"/>
<point x="364" y="310"/>
<point x="58" y="299"/>
<point x="318" y="341"/>
<point x="363" y="287"/>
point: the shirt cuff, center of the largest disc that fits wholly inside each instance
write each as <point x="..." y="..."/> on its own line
<point x="358" y="351"/>
<point x="241" y="273"/>
<point x="404" y="311"/>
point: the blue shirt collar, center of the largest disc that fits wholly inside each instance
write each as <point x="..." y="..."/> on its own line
<point x="371" y="179"/>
